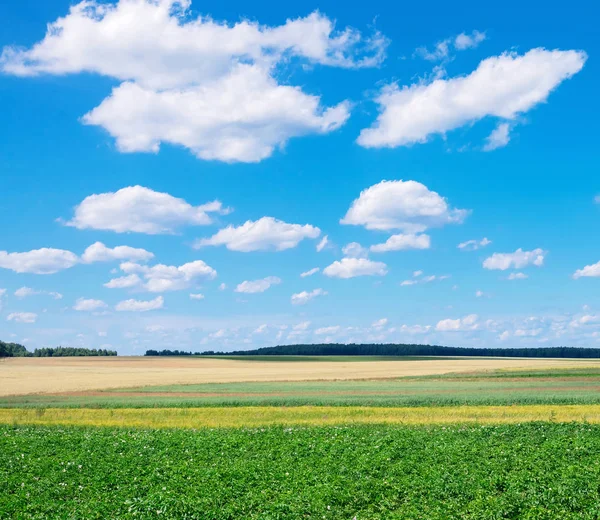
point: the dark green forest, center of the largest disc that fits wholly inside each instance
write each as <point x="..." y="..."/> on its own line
<point x="16" y="350"/>
<point x="371" y="349"/>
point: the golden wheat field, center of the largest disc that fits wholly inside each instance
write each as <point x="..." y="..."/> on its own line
<point x="21" y="376"/>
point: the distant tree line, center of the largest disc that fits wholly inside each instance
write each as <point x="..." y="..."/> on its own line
<point x="16" y="350"/>
<point x="371" y="349"/>
<point x="12" y="350"/>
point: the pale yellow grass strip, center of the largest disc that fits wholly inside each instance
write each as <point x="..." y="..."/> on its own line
<point x="253" y="416"/>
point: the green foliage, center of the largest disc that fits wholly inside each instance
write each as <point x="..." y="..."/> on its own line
<point x="12" y="350"/>
<point x="529" y="471"/>
<point x="335" y="349"/>
<point x="16" y="350"/>
<point x="71" y="351"/>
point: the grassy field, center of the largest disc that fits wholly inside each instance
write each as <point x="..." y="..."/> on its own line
<point x="20" y="376"/>
<point x="530" y="471"/>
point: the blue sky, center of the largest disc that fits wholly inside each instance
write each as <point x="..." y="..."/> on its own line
<point x="210" y="148"/>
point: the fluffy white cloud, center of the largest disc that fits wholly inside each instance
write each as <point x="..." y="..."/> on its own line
<point x="38" y="261"/>
<point x="517" y="260"/>
<point x="222" y="286"/>
<point x="380" y="323"/>
<point x="22" y="317"/>
<point x="191" y="81"/>
<point x="406" y="205"/>
<point x="462" y="324"/>
<point x="310" y="272"/>
<point x="322" y="244"/>
<point x="24" y="292"/>
<point x="587" y="319"/>
<point x="158" y="44"/>
<point x="415" y="329"/>
<point x="302" y="326"/>
<point x="98" y="252"/>
<point x="305" y="296"/>
<point x="355" y="250"/>
<point x="442" y="49"/>
<point x="499" y="137"/>
<point x="83" y="304"/>
<point x="502" y="86"/>
<point x="265" y="234"/>
<point x="257" y="286"/>
<point x="352" y="267"/>
<point x="517" y="276"/>
<point x="124" y="282"/>
<point x="242" y="117"/>
<point x="196" y="296"/>
<point x="140" y="305"/>
<point x="161" y="278"/>
<point x="140" y="210"/>
<point x="468" y="41"/>
<point x="473" y="245"/>
<point x="327" y="330"/>
<point x="592" y="270"/>
<point x="402" y="242"/>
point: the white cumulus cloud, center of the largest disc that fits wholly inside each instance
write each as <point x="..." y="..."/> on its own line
<point x="83" y="304"/>
<point x="352" y="267"/>
<point x="140" y="210"/>
<point x="257" y="286"/>
<point x="304" y="297"/>
<point x="265" y="234"/>
<point x="124" y="282"/>
<point x="504" y="87"/>
<point x="98" y="252"/>
<point x="161" y="278"/>
<point x="38" y="261"/>
<point x="592" y="270"/>
<point x="403" y="242"/>
<point x="310" y="272"/>
<point x="192" y="81"/>
<point x="406" y="205"/>
<point x="461" y="324"/>
<point x="517" y="260"/>
<point x="140" y="305"/>
<point x="22" y="317"/>
<point x="499" y="137"/>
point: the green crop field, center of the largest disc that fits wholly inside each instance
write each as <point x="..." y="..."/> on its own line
<point x="527" y="471"/>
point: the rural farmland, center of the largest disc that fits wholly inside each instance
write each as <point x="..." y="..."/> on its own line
<point x="351" y="438"/>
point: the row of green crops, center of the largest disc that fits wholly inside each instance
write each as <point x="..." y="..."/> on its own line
<point x="527" y="471"/>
